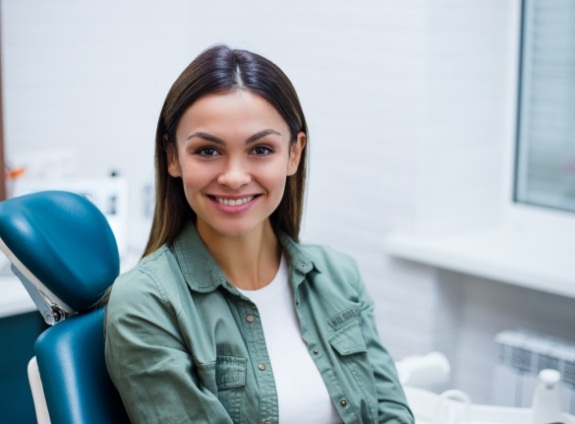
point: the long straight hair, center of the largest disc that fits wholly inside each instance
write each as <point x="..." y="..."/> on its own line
<point x="219" y="70"/>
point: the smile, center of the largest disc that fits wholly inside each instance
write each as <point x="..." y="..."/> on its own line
<point x="234" y="202"/>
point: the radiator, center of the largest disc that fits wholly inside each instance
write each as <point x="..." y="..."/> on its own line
<point x="521" y="354"/>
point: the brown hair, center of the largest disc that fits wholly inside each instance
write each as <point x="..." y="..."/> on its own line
<point x="221" y="69"/>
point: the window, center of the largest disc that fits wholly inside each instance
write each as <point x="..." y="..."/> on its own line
<point x="545" y="168"/>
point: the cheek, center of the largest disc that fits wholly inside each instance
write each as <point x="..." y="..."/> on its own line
<point x="274" y="175"/>
<point x="193" y="185"/>
<point x="193" y="179"/>
<point x="193" y="192"/>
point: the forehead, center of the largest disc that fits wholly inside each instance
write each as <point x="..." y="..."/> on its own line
<point x="236" y="110"/>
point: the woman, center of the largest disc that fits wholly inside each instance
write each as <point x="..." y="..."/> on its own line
<point x="227" y="318"/>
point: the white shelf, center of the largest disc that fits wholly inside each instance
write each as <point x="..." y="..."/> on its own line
<point x="541" y="258"/>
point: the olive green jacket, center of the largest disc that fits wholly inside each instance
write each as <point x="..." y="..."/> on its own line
<point x="184" y="346"/>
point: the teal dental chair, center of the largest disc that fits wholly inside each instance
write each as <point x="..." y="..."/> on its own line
<point x="64" y="252"/>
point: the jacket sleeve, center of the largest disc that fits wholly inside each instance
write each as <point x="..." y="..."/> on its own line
<point x="148" y="361"/>
<point x="392" y="404"/>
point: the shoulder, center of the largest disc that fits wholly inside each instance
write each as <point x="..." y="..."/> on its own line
<point x="323" y="258"/>
<point x="326" y="258"/>
<point x="332" y="269"/>
<point x="334" y="274"/>
<point x="153" y="280"/>
<point x="144" y="272"/>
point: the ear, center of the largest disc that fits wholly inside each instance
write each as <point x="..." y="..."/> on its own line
<point x="296" y="151"/>
<point x="172" y="159"/>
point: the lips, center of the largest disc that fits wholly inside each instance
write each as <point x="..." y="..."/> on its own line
<point x="233" y="202"/>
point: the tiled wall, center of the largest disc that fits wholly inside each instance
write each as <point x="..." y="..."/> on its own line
<point x="409" y="104"/>
<point x="432" y="159"/>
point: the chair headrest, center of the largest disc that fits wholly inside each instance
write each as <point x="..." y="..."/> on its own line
<point x="64" y="241"/>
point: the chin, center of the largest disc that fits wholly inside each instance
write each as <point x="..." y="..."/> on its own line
<point x="233" y="231"/>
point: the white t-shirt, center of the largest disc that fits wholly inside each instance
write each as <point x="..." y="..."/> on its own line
<point x="302" y="395"/>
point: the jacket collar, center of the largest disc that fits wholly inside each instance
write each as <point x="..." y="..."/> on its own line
<point x="203" y="275"/>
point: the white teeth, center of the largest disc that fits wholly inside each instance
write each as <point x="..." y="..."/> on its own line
<point x="234" y="202"/>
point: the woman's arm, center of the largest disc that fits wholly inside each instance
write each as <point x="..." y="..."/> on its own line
<point x="148" y="361"/>
<point x="392" y="404"/>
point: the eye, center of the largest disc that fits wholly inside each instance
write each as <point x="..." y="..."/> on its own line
<point x="207" y="152"/>
<point x="262" y="151"/>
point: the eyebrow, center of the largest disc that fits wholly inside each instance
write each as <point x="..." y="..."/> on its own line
<point x="251" y="139"/>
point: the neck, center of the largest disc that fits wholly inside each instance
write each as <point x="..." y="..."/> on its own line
<point x="249" y="261"/>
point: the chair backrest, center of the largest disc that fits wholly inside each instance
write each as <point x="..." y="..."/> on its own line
<point x="61" y="245"/>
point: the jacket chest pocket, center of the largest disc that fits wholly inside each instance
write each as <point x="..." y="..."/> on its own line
<point x="356" y="371"/>
<point x="226" y="378"/>
<point x="226" y="372"/>
<point x="230" y="372"/>
<point x="349" y="340"/>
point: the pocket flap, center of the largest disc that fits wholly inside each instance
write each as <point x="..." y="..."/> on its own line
<point x="349" y="340"/>
<point x="230" y="372"/>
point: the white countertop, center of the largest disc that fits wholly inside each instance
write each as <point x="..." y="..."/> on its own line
<point x="535" y="257"/>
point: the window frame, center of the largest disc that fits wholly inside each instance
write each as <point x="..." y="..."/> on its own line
<point x="525" y="207"/>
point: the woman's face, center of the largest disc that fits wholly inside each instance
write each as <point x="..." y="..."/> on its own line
<point x="233" y="156"/>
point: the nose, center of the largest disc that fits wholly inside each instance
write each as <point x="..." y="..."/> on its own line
<point x="234" y="175"/>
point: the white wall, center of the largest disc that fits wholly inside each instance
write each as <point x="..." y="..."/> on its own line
<point x="410" y="106"/>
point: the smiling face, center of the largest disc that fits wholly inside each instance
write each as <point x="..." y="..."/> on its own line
<point x="233" y="154"/>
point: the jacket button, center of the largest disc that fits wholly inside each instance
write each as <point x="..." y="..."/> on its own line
<point x="343" y="402"/>
<point x="262" y="367"/>
<point x="250" y="318"/>
<point x="315" y="351"/>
